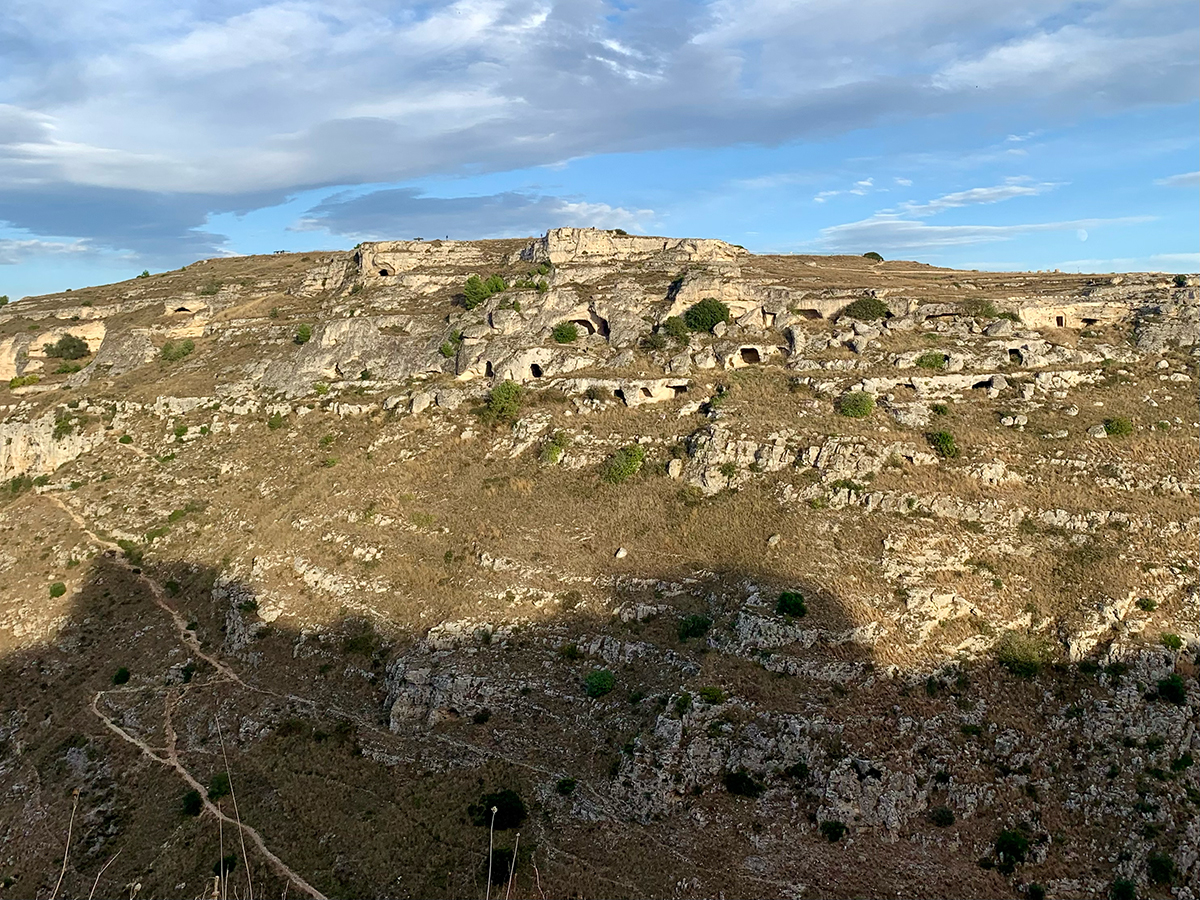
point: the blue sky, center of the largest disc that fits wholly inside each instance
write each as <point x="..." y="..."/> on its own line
<point x="1034" y="134"/>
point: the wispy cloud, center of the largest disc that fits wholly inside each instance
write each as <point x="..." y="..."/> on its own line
<point x="406" y="212"/>
<point x="1187" y="179"/>
<point x="1014" y="187"/>
<point x="890" y="233"/>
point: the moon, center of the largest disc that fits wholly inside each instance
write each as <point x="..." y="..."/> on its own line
<point x="1081" y="234"/>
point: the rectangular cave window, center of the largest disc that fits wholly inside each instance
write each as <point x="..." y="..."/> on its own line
<point x="1060" y="321"/>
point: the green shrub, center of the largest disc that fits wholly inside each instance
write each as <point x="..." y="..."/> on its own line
<point x="1160" y="867"/>
<point x="943" y="444"/>
<point x="1122" y="889"/>
<point x="693" y="626"/>
<point x="1022" y="654"/>
<point x="676" y="329"/>
<point x="654" y="340"/>
<point x="504" y="402"/>
<point x="121" y="676"/>
<point x="321" y="388"/>
<point x="209" y="289"/>
<point x="940" y="409"/>
<point x="866" y="309"/>
<point x="1172" y="689"/>
<point x="3" y="299"/>
<point x="1179" y="281"/>
<point x="931" y="360"/>
<point x="599" y="682"/>
<point x="833" y="830"/>
<point x="683" y="703"/>
<point x="565" y="333"/>
<point x="275" y="421"/>
<point x="712" y="695"/>
<point x="131" y="550"/>
<point x="565" y="786"/>
<point x="67" y="368"/>
<point x="23" y="381"/>
<point x="1183" y="762"/>
<point x="856" y="405"/>
<point x="57" y="589"/>
<point x="193" y="803"/>
<point x="303" y="334"/>
<point x="1011" y="849"/>
<point x="742" y="784"/>
<point x="173" y="352"/>
<point x="125" y="439"/>
<point x="218" y="786"/>
<point x="450" y="346"/>
<point x="476" y="289"/>
<point x="510" y="810"/>
<point x="624" y="464"/>
<point x="1147" y="604"/>
<point x="1118" y="426"/>
<point x="552" y="450"/>
<point x="791" y="603"/>
<point x="941" y="816"/>
<point x="872" y="255"/>
<point x="67" y="347"/>
<point x="1172" y="641"/>
<point x="705" y="315"/>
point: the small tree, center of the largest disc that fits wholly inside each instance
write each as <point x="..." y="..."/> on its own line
<point x="705" y="315"/>
<point x="866" y="309"/>
<point x="624" y="464"/>
<point x="676" y="329"/>
<point x="791" y="603"/>
<point x="504" y="401"/>
<point x="67" y="347"/>
<point x="873" y="256"/>
<point x="599" y="682"/>
<point x="303" y="334"/>
<point x="565" y="333"/>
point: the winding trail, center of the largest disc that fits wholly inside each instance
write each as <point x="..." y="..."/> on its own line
<point x="169" y="756"/>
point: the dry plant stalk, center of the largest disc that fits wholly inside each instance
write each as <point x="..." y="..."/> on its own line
<point x="67" y="849"/>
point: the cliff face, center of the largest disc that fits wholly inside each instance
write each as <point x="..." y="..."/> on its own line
<point x="883" y="580"/>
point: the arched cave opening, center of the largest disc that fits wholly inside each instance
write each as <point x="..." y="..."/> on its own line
<point x="751" y="356"/>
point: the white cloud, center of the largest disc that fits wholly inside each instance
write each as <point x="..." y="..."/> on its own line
<point x="1187" y="179"/>
<point x="889" y="233"/>
<point x="1015" y="187"/>
<point x="15" y="252"/>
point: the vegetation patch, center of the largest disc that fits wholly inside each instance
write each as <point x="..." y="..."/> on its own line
<point x="504" y="402"/>
<point x="693" y="626"/>
<point x="742" y="784"/>
<point x="476" y="290"/>
<point x="173" y="351"/>
<point x="791" y="603"/>
<point x="624" y="464"/>
<point x="943" y="444"/>
<point x="565" y="333"/>
<point x="931" y="360"/>
<point x="1119" y="426"/>
<point x="706" y="315"/>
<point x="599" y="682"/>
<point x="67" y="347"/>
<point x="867" y="309"/>
<point x="856" y="405"/>
<point x="1024" y="655"/>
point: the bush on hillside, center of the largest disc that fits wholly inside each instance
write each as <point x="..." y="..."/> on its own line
<point x="867" y="309"/>
<point x="872" y="255"/>
<point x="1118" y="426"/>
<point x="693" y="626"/>
<point x="565" y="333"/>
<point x="504" y="401"/>
<point x="676" y="329"/>
<point x="599" y="682"/>
<point x="303" y="334"/>
<point x="791" y="603"/>
<point x="943" y="444"/>
<point x="934" y="359"/>
<point x="67" y="347"/>
<point x="856" y="405"/>
<point x="1022" y="654"/>
<point x="705" y="315"/>
<point x="624" y="464"/>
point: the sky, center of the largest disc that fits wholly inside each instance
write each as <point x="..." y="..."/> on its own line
<point x="1030" y="134"/>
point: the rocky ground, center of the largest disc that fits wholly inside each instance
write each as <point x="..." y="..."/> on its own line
<point x="886" y="584"/>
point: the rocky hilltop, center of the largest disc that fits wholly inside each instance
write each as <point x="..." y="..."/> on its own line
<point x="714" y="573"/>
